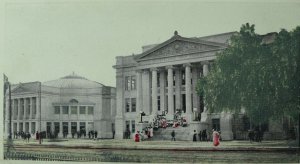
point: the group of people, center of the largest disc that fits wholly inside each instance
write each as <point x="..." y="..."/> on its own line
<point x="24" y="135"/>
<point x="202" y="136"/>
<point x="147" y="133"/>
<point x="255" y="135"/>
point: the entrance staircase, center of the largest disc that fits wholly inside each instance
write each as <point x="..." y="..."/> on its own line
<point x="181" y="133"/>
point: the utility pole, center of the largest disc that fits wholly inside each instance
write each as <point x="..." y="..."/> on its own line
<point x="7" y="85"/>
<point x="40" y="116"/>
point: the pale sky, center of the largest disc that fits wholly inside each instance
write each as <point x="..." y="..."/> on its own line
<point x="44" y="40"/>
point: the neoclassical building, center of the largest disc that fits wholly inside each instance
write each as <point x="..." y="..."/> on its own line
<point x="69" y="104"/>
<point x="163" y="78"/>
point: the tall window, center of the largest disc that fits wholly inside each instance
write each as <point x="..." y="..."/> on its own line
<point x="127" y="123"/>
<point x="56" y="109"/>
<point x="158" y="103"/>
<point x="133" y="83"/>
<point x="65" y="109"/>
<point x="82" y="110"/>
<point x="132" y="126"/>
<point x="174" y="78"/>
<point x="91" y="110"/>
<point x="183" y="77"/>
<point x="34" y="106"/>
<point x="133" y="104"/>
<point x="158" y="79"/>
<point x="127" y="83"/>
<point x="28" y="106"/>
<point x="127" y="105"/>
<point x="73" y="109"/>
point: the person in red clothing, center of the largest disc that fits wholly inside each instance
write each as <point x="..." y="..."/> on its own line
<point x="137" y="137"/>
<point x="216" y="138"/>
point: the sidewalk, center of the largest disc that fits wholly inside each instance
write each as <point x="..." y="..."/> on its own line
<point x="162" y="145"/>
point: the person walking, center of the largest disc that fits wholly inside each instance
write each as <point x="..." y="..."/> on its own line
<point x="137" y="137"/>
<point x="96" y="134"/>
<point x="200" y="135"/>
<point x="216" y="138"/>
<point x="173" y="136"/>
<point x="195" y="136"/>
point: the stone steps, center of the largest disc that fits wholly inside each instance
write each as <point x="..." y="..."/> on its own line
<point x="181" y="134"/>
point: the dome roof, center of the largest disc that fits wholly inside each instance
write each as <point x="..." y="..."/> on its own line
<point x="73" y="81"/>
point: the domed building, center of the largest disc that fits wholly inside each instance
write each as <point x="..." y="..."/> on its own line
<point x="70" y="106"/>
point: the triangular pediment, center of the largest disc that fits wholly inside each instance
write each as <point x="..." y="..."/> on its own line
<point x="26" y="88"/>
<point x="178" y="46"/>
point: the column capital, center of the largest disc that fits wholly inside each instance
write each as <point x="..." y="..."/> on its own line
<point x="153" y="69"/>
<point x="170" y="67"/>
<point x="145" y="70"/>
<point x="196" y="65"/>
<point x="139" y="71"/>
<point x="187" y="65"/>
<point x="205" y="62"/>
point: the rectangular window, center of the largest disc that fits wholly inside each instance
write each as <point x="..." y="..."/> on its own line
<point x="127" y="105"/>
<point x="65" y="128"/>
<point x="56" y="109"/>
<point x="73" y="127"/>
<point x="91" y="110"/>
<point x="56" y="128"/>
<point x="127" y="123"/>
<point x="174" y="78"/>
<point x="183" y="77"/>
<point x="33" y="127"/>
<point x="82" y="127"/>
<point x="82" y="110"/>
<point x="133" y="82"/>
<point x="216" y="124"/>
<point x="127" y="83"/>
<point x="158" y="103"/>
<point x="133" y="105"/>
<point x="28" y="106"/>
<point x="65" y="109"/>
<point x="73" y="109"/>
<point x="132" y="126"/>
<point x="34" y="106"/>
<point x="158" y="79"/>
<point x="22" y="107"/>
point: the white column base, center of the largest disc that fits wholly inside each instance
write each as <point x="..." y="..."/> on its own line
<point x="119" y="128"/>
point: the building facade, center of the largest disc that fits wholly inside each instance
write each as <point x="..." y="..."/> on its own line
<point x="65" y="106"/>
<point x="163" y="79"/>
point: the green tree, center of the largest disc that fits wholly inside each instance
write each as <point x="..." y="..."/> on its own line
<point x="258" y="73"/>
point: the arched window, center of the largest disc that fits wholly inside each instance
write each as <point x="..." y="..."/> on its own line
<point x="73" y="101"/>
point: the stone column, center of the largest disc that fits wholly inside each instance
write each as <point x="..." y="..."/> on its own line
<point x="170" y="91"/>
<point x="69" y="130"/>
<point x="13" y="109"/>
<point x="188" y="96"/>
<point x="6" y="134"/>
<point x="204" y="114"/>
<point x="162" y="90"/>
<point x="196" y="98"/>
<point x="139" y="94"/>
<point x="31" y="108"/>
<point x="205" y="72"/>
<point x="178" y="82"/>
<point x="146" y="91"/>
<point x="29" y="130"/>
<point x="37" y="116"/>
<point x="119" y="120"/>
<point x="25" y="117"/>
<point x="60" y="134"/>
<point x="19" y="109"/>
<point x="154" y="91"/>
